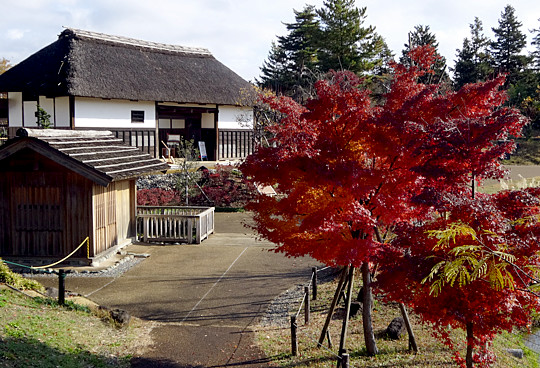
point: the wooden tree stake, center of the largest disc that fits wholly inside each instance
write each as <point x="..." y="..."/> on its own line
<point x="333" y="306"/>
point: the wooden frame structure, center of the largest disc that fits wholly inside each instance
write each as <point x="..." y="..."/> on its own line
<point x="57" y="187"/>
<point x="175" y="224"/>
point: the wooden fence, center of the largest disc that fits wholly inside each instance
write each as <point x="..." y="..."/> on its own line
<point x="235" y="144"/>
<point x="174" y="224"/>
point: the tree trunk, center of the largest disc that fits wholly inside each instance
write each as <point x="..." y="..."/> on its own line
<point x="369" y="337"/>
<point x="470" y="345"/>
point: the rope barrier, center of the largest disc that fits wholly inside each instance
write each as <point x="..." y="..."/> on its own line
<point x="317" y="342"/>
<point x="24" y="266"/>
<point x="41" y="268"/>
<point x="86" y="240"/>
<point x="301" y="305"/>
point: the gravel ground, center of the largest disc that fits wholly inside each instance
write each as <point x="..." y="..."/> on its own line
<point x="115" y="270"/>
<point x="287" y="303"/>
<point x="165" y="181"/>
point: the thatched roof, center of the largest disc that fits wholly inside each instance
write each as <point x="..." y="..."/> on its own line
<point x="97" y="155"/>
<point x="89" y="64"/>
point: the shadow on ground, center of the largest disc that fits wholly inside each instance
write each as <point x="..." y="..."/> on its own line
<point x="24" y="352"/>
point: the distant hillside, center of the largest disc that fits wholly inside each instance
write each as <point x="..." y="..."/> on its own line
<point x="527" y="153"/>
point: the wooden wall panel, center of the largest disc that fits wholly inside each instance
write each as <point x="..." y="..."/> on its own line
<point x="44" y="214"/>
<point x="123" y="209"/>
<point x="104" y="204"/>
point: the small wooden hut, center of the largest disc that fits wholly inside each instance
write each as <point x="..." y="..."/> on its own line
<point x="59" y="186"/>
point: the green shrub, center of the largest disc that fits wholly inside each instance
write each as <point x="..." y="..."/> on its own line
<point x="11" y="278"/>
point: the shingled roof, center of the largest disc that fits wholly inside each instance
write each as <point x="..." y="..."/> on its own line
<point x="96" y="155"/>
<point x="90" y="64"/>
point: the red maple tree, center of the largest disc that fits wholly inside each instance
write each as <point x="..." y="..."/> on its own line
<point x="470" y="269"/>
<point x="347" y="170"/>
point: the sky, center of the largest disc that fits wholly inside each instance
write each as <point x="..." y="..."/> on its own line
<point x="239" y="32"/>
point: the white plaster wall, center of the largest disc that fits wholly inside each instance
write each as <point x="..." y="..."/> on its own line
<point x="233" y="117"/>
<point x="15" y="109"/>
<point x="62" y="112"/>
<point x="99" y="113"/>
<point x="29" y="114"/>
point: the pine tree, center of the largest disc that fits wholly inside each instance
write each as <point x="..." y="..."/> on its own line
<point x="301" y="48"/>
<point x="345" y="43"/>
<point x="421" y="36"/>
<point x="274" y="70"/>
<point x="535" y="55"/>
<point x="291" y="66"/>
<point x="472" y="64"/>
<point x="508" y="44"/>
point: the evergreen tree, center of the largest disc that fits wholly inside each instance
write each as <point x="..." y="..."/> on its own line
<point x="321" y="40"/>
<point x="345" y="43"/>
<point x="508" y="44"/>
<point x="472" y="64"/>
<point x="292" y="61"/>
<point x="535" y="55"/>
<point x="274" y="70"/>
<point x="421" y="36"/>
<point x="301" y="48"/>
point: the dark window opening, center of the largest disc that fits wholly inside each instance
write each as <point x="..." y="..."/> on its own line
<point x="137" y="116"/>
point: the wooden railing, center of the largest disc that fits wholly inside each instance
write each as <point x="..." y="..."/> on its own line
<point x="175" y="224"/>
<point x="235" y="144"/>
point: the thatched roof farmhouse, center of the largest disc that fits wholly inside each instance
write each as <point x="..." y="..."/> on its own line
<point x="149" y="94"/>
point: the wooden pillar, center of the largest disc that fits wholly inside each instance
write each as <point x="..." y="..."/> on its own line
<point x="216" y="128"/>
<point x="72" y="112"/>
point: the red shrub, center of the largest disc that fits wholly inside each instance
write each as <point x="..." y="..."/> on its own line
<point x="157" y="197"/>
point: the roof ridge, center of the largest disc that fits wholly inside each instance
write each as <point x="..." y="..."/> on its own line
<point x="135" y="42"/>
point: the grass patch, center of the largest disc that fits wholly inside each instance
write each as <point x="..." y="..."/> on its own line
<point x="36" y="332"/>
<point x="275" y="341"/>
<point x="527" y="153"/>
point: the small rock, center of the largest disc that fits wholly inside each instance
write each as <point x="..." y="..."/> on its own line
<point x="51" y="292"/>
<point x="120" y="316"/>
<point x="395" y="328"/>
<point x="518" y="353"/>
<point x="356" y="307"/>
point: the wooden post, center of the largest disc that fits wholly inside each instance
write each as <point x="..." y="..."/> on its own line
<point x="329" y="339"/>
<point x="190" y="231"/>
<point x="294" y="339"/>
<point x="412" y="339"/>
<point x="345" y="360"/>
<point x="62" y="287"/>
<point x="306" y="305"/>
<point x="314" y="282"/>
<point x="343" y="340"/>
<point x="145" y="229"/>
<point x="333" y="306"/>
<point x="198" y="225"/>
